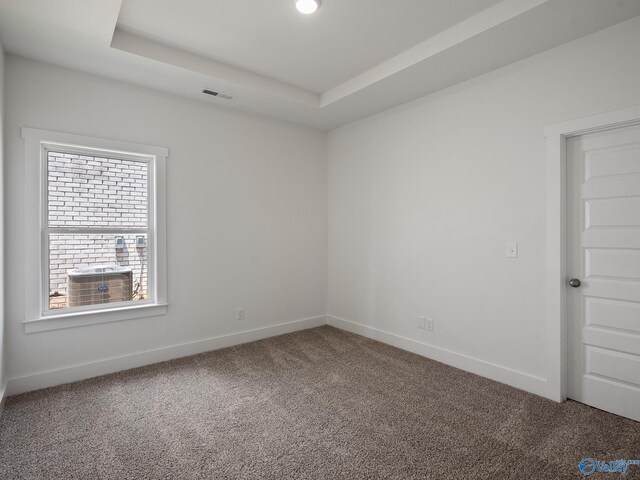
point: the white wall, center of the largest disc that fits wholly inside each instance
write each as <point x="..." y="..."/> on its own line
<point x="2" y="231"/>
<point x="246" y="214"/>
<point x="423" y="198"/>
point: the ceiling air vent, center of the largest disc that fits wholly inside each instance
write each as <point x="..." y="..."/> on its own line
<point x="217" y="94"/>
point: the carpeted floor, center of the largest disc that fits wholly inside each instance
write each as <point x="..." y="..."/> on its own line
<point x="317" y="404"/>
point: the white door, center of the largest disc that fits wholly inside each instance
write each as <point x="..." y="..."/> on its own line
<point x="603" y="247"/>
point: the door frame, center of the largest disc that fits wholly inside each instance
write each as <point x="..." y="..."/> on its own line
<point x="556" y="137"/>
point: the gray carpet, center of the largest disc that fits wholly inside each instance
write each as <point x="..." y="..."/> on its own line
<point x="317" y="404"/>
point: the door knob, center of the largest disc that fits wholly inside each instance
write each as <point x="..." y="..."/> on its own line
<point x="574" y="282"/>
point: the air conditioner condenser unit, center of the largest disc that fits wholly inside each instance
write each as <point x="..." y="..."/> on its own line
<point x="99" y="284"/>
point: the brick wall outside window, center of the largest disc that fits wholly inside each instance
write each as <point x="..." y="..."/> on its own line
<point x="86" y="191"/>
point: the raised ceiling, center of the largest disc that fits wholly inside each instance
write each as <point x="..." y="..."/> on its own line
<point x="312" y="52"/>
<point x="351" y="59"/>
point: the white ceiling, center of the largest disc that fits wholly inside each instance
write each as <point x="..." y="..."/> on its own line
<point x="351" y="59"/>
<point x="313" y="52"/>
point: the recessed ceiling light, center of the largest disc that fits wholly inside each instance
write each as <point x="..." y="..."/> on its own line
<point x="307" y="6"/>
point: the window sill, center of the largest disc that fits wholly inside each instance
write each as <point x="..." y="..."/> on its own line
<point x="79" y="319"/>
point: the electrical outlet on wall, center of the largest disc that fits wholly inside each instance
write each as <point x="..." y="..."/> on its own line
<point x="428" y="325"/>
<point x="240" y="314"/>
<point x="425" y="323"/>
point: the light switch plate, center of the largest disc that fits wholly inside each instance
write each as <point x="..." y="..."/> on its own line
<point x="512" y="249"/>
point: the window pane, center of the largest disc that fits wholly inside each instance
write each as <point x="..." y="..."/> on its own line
<point x="98" y="192"/>
<point x="95" y="269"/>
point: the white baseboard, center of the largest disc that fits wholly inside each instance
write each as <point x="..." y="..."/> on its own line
<point x="115" y="364"/>
<point x="516" y="379"/>
<point x="3" y="397"/>
<point x="74" y="373"/>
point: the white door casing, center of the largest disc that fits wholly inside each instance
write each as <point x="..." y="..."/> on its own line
<point x="556" y="136"/>
<point x="603" y="252"/>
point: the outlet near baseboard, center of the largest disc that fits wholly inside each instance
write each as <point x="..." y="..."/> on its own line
<point x="429" y="324"/>
<point x="425" y="323"/>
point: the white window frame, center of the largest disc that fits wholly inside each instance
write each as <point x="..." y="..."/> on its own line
<point x="38" y="316"/>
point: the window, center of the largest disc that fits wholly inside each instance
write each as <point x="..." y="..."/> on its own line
<point x="95" y="230"/>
